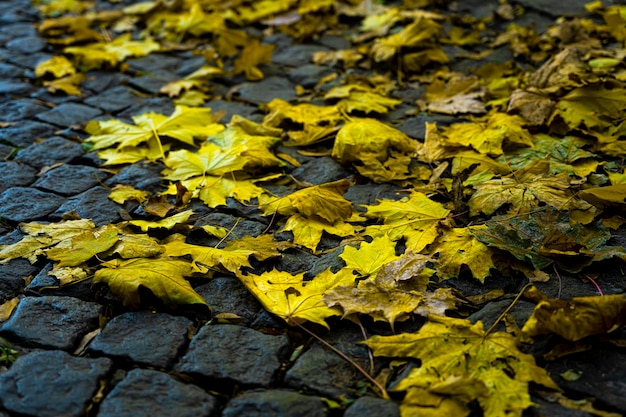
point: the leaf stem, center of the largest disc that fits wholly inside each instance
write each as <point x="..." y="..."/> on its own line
<point x="504" y="313"/>
<point x="383" y="391"/>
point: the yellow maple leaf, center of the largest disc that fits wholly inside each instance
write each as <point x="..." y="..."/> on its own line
<point x="379" y="151"/>
<point x="457" y="247"/>
<point x="489" y="136"/>
<point x="185" y="124"/>
<point x="357" y="97"/>
<point x="576" y="319"/>
<point x="59" y="66"/>
<point x="136" y="246"/>
<point x="325" y="202"/>
<point x="370" y="257"/>
<point x="308" y="231"/>
<point x="123" y="193"/>
<point x="205" y="257"/>
<point x="94" y="55"/>
<point x="591" y="107"/>
<point x="415" y="218"/>
<point x="396" y="290"/>
<point x="164" y="277"/>
<point x="263" y="247"/>
<point x="455" y="93"/>
<point x="69" y="85"/>
<point x="524" y="189"/>
<point x="82" y="247"/>
<point x="40" y="236"/>
<point x="292" y="298"/>
<point x="253" y="55"/>
<point x="197" y="79"/>
<point x="461" y="363"/>
<point x="166" y="223"/>
<point x="421" y="30"/>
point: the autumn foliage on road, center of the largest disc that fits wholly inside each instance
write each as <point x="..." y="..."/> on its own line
<point x="528" y="179"/>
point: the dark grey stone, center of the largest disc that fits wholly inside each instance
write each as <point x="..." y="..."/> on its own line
<point x="70" y="179"/>
<point x="10" y="71"/>
<point x="231" y="109"/>
<point x="92" y="204"/>
<point x="296" y="55"/>
<point x="370" y="194"/>
<point x="115" y="99"/>
<point x="6" y="151"/>
<point x="296" y="261"/>
<point x="51" y="321"/>
<point x="27" y="44"/>
<point x="42" y="280"/>
<point x="154" y="63"/>
<point x="69" y="114"/>
<point x="371" y="406"/>
<point x="603" y="374"/>
<point x="54" y="150"/>
<point x="99" y="81"/>
<point x="238" y="354"/>
<point x="323" y="371"/>
<point x="414" y="127"/>
<point x="51" y="384"/>
<point x="15" y="175"/>
<point x="14" y="87"/>
<point x="266" y="90"/>
<point x="145" y="393"/>
<point x="238" y="227"/>
<point x="19" y="109"/>
<point x="21" y="204"/>
<point x="151" y="83"/>
<point x="329" y="260"/>
<point x="141" y="176"/>
<point x="274" y="403"/>
<point x="555" y="9"/>
<point x="12" y="278"/>
<point x="229" y="295"/>
<point x="143" y="337"/>
<point x="321" y="170"/>
<point x="159" y="105"/>
<point x="26" y="132"/>
<point x="308" y="75"/>
<point x="18" y="30"/>
<point x="334" y="42"/>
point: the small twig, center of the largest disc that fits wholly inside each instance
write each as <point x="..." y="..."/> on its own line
<point x="558" y="295"/>
<point x="369" y="351"/>
<point x="596" y="284"/>
<point x="505" y="312"/>
<point x="383" y="391"/>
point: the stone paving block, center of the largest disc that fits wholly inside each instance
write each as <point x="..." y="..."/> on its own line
<point x="275" y="403"/>
<point x="321" y="170"/>
<point x="146" y="393"/>
<point x="115" y="99"/>
<point x="15" y="175"/>
<point x="10" y="71"/>
<point x="297" y="55"/>
<point x="231" y="109"/>
<point x="92" y="204"/>
<point x="234" y="353"/>
<point x="22" y="108"/>
<point x="554" y="8"/>
<point x="14" y="87"/>
<point x="51" y="151"/>
<point x="51" y="384"/>
<point x="13" y="278"/>
<point x="142" y="176"/>
<point x="51" y="321"/>
<point x="26" y="132"/>
<point x="266" y="90"/>
<point x="27" y="44"/>
<point x="21" y="204"/>
<point x="308" y="75"/>
<point x="69" y="114"/>
<point x="229" y="295"/>
<point x="143" y="337"/>
<point x="70" y="179"/>
<point x="371" y="406"/>
<point x="159" y="105"/>
<point x="323" y="371"/>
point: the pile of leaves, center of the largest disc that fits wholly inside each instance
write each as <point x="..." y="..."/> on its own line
<point x="530" y="176"/>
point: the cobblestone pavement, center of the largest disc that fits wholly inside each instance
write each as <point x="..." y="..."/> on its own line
<point x="144" y="363"/>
